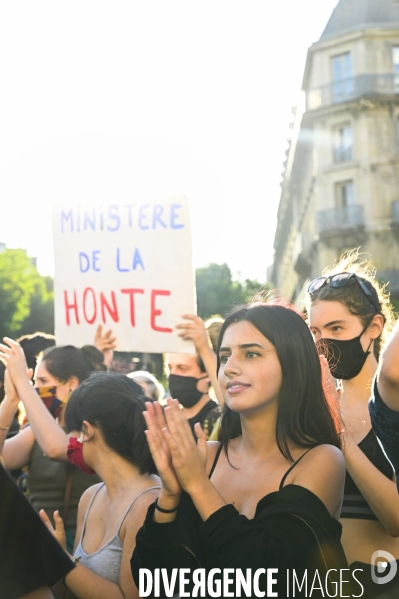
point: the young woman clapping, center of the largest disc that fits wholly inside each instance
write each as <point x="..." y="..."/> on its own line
<point x="269" y="493"/>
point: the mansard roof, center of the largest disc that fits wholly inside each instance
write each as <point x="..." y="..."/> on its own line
<point x="350" y="15"/>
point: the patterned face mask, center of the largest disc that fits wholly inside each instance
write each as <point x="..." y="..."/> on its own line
<point x="49" y="397"/>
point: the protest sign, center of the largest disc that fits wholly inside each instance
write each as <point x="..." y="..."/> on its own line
<point x="127" y="266"/>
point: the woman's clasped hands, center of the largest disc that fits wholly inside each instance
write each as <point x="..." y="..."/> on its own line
<point x="180" y="461"/>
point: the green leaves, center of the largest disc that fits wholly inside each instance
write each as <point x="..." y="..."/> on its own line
<point x="217" y="293"/>
<point x="26" y="298"/>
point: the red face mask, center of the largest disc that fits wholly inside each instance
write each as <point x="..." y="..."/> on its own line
<point x="75" y="455"/>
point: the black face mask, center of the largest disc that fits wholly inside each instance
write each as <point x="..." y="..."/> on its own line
<point x="346" y="357"/>
<point x="184" y="389"/>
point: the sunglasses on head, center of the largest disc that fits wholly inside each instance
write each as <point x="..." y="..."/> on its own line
<point x="340" y="280"/>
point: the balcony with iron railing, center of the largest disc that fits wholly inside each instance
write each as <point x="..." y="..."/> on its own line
<point x="342" y="154"/>
<point x="341" y="219"/>
<point x="371" y="85"/>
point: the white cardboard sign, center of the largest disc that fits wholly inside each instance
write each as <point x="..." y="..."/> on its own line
<point x="128" y="267"/>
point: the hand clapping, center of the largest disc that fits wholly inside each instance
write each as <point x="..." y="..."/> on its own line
<point x="13" y="357"/>
<point x="179" y="459"/>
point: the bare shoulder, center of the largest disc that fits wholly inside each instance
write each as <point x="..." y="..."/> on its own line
<point x="321" y="462"/>
<point x="137" y="513"/>
<point x="144" y="499"/>
<point x="328" y="454"/>
<point x="147" y="496"/>
<point x="87" y="496"/>
<point x="322" y="471"/>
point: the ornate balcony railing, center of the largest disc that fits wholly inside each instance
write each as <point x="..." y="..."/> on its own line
<point x="372" y="85"/>
<point x="340" y="219"/>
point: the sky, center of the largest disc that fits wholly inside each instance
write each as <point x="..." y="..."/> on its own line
<point x="138" y="100"/>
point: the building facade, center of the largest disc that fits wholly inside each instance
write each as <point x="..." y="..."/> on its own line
<point x="340" y="187"/>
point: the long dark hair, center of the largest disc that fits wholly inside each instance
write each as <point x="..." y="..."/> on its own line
<point x="114" y="404"/>
<point x="304" y="416"/>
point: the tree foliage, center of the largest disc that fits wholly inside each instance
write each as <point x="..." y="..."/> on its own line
<point x="26" y="298"/>
<point x="41" y="312"/>
<point x="217" y="293"/>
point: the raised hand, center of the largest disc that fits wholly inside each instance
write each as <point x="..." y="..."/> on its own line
<point x="155" y="421"/>
<point x="106" y="343"/>
<point x="194" y="329"/>
<point x="188" y="457"/>
<point x="9" y="388"/>
<point x="13" y="357"/>
<point x="59" y="531"/>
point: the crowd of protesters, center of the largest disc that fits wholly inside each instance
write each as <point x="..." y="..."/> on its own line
<point x="275" y="446"/>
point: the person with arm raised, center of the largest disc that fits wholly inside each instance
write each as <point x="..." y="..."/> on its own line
<point x="42" y="445"/>
<point x="384" y="402"/>
<point x="349" y="316"/>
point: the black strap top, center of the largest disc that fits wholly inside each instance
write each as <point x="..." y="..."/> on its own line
<point x="215" y="461"/>
<point x="291" y="467"/>
<point x="354" y="504"/>
<point x="282" y="480"/>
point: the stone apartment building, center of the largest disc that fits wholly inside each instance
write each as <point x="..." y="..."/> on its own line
<point x="340" y="186"/>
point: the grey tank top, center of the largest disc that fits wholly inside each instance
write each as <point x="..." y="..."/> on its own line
<point x="106" y="561"/>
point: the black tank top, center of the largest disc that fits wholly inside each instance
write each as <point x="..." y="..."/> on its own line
<point x="354" y="504"/>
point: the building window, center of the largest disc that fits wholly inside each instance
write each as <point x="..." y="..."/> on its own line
<point x="344" y="194"/>
<point x="343" y="142"/>
<point x="395" y="60"/>
<point x="342" y="77"/>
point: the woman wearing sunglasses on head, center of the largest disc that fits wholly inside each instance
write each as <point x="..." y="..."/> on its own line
<point x="349" y="313"/>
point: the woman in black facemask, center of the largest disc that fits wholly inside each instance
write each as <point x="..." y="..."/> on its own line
<point x="349" y="314"/>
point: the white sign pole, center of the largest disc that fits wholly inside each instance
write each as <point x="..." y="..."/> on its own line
<point x="128" y="267"/>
